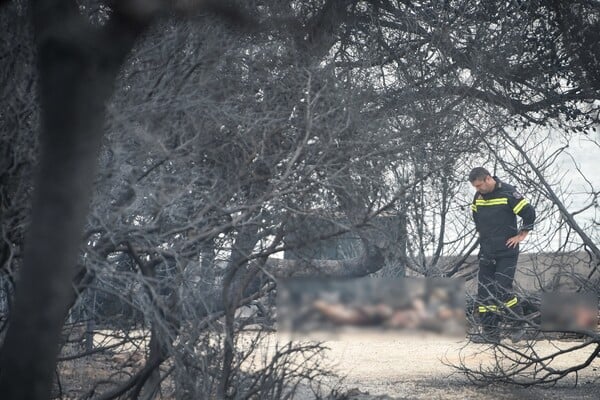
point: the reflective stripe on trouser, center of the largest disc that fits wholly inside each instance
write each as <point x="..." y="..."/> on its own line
<point x="493" y="308"/>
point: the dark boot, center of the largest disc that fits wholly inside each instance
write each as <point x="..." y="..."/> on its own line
<point x="490" y="332"/>
<point x="516" y="323"/>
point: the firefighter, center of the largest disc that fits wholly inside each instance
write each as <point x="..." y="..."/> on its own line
<point x="495" y="207"/>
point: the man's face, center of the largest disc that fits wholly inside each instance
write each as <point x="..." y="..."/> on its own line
<point x="484" y="186"/>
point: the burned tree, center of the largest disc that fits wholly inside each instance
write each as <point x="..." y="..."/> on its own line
<point x="215" y="143"/>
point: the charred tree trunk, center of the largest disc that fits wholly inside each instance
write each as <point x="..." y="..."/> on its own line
<point x="78" y="66"/>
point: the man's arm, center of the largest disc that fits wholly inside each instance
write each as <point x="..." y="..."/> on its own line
<point x="475" y="215"/>
<point x="526" y="211"/>
<point x="518" y="238"/>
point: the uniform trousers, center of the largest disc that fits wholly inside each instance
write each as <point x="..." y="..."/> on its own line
<point x="495" y="289"/>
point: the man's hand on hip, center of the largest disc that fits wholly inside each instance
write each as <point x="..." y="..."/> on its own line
<point x="515" y="240"/>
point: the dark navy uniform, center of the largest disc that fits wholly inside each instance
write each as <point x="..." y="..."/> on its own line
<point x="495" y="216"/>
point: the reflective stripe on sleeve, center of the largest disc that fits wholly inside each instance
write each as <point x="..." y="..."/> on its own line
<point x="517" y="209"/>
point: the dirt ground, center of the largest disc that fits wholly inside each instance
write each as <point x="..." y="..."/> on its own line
<point x="376" y="366"/>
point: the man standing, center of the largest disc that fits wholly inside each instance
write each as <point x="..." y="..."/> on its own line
<point x="495" y="207"/>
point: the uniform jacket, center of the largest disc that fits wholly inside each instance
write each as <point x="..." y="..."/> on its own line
<point x="495" y="216"/>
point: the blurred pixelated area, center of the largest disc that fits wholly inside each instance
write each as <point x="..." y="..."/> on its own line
<point x="569" y="311"/>
<point x="409" y="305"/>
